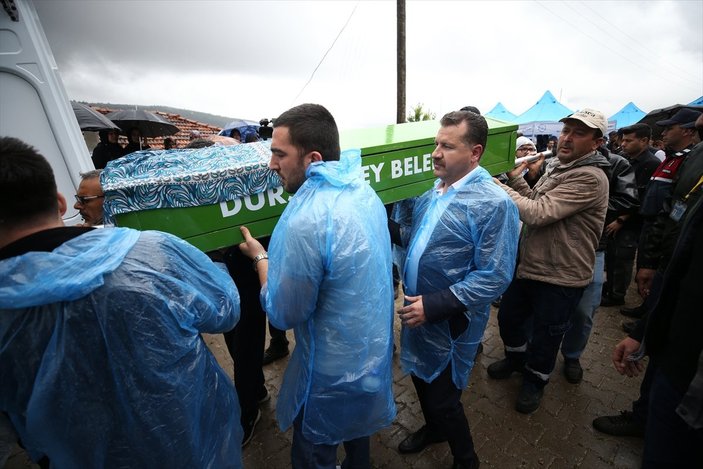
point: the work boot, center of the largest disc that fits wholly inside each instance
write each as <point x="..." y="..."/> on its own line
<point x="274" y="352"/>
<point x="612" y="301"/>
<point x="572" y="370"/>
<point x="624" y="424"/>
<point x="249" y="426"/>
<point x="514" y="362"/>
<point x="529" y="397"/>
<point x="629" y="326"/>
<point x="636" y="312"/>
<point x="264" y="396"/>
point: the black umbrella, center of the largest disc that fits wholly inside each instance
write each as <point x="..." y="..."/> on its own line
<point x="149" y="124"/>
<point x="90" y="119"/>
<point x="664" y="113"/>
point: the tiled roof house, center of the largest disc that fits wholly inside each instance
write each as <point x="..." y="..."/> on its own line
<point x="182" y="137"/>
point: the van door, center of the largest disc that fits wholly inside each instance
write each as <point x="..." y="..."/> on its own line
<point x="34" y="106"/>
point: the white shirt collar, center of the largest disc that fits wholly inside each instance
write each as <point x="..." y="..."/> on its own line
<point x="456" y="185"/>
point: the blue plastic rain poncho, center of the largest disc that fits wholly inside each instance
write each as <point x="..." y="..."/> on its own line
<point x="330" y="279"/>
<point x="470" y="236"/>
<point x="102" y="360"/>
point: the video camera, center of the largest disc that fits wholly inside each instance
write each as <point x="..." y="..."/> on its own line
<point x="265" y="132"/>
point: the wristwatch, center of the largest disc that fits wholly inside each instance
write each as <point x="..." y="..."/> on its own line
<point x="257" y="258"/>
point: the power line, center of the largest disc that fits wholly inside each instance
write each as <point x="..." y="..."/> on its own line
<point x="312" y="75"/>
<point x="637" y="64"/>
<point x="634" y="41"/>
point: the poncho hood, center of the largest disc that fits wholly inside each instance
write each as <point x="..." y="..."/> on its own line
<point x="71" y="271"/>
<point x="338" y="173"/>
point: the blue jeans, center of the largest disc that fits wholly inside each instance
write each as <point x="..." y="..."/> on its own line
<point x="550" y="307"/>
<point x="308" y="455"/>
<point x="668" y="441"/>
<point x="576" y="337"/>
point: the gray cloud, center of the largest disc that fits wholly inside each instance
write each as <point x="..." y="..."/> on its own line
<point x="253" y="59"/>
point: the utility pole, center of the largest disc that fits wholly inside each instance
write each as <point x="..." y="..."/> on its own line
<point x="400" y="83"/>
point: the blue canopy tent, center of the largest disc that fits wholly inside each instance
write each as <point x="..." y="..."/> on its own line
<point x="696" y="102"/>
<point x="501" y="113"/>
<point x="543" y="117"/>
<point x="628" y="115"/>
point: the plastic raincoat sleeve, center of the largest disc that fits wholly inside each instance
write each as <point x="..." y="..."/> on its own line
<point x="213" y="306"/>
<point x="290" y="295"/>
<point x="495" y="235"/>
<point x="572" y="195"/>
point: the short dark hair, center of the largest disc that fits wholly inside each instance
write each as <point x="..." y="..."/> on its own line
<point x="27" y="184"/>
<point x="640" y="130"/>
<point x="471" y="109"/>
<point x="234" y="132"/>
<point x="311" y="128"/>
<point x="477" y="133"/>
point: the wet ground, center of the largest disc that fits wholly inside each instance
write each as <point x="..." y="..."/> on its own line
<point x="558" y="435"/>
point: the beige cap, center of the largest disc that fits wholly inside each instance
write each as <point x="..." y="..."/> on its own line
<point x="592" y="118"/>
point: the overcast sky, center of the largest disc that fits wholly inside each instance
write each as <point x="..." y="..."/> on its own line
<point x="254" y="59"/>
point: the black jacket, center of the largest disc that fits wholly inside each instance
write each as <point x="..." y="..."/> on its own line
<point x="105" y="151"/>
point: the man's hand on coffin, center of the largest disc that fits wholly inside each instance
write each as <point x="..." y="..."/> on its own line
<point x="250" y="247"/>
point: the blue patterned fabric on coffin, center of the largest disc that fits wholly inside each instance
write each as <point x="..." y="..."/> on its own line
<point x="148" y="180"/>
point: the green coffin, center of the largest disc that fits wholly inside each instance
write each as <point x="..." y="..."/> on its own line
<point x="396" y="161"/>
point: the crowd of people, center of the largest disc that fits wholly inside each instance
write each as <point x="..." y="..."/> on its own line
<point x="103" y="364"/>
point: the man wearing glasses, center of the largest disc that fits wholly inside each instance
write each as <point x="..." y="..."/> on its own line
<point x="525" y="147"/>
<point x="90" y="198"/>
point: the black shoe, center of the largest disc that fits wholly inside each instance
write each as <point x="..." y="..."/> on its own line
<point x="636" y="312"/>
<point x="473" y="464"/>
<point x="529" y="398"/>
<point x="502" y="369"/>
<point x="264" y="397"/>
<point x="272" y="354"/>
<point x="624" y="424"/>
<point x="611" y="301"/>
<point x="248" y="428"/>
<point x="629" y="326"/>
<point x="573" y="370"/>
<point x="418" y="441"/>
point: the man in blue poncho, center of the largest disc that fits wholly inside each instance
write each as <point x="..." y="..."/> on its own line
<point x="462" y="244"/>
<point x="330" y="280"/>
<point x="102" y="361"/>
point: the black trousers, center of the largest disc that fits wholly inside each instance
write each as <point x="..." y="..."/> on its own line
<point x="619" y="259"/>
<point x="444" y="414"/>
<point x="441" y="406"/>
<point x="246" y="341"/>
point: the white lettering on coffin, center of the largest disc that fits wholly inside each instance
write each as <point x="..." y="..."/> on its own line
<point x="411" y="165"/>
<point x="375" y="169"/>
<point x="253" y="202"/>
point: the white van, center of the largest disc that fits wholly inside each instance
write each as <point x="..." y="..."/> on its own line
<point x="34" y="106"/>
